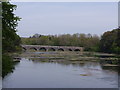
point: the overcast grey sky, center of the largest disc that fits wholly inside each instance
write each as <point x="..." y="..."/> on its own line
<point x="62" y="18"/>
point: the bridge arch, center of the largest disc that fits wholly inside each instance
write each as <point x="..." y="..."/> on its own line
<point x="33" y="48"/>
<point x="60" y="49"/>
<point x="69" y="49"/>
<point x="51" y="49"/>
<point x="43" y="49"/>
<point x="24" y="48"/>
<point x="77" y="50"/>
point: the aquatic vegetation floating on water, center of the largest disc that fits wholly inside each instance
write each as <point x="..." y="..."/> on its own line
<point x="84" y="75"/>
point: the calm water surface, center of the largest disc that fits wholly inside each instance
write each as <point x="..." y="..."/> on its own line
<point x="36" y="74"/>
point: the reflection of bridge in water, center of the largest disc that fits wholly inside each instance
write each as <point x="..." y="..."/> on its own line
<point x="51" y="48"/>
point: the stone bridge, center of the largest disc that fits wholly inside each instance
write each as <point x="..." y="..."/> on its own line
<point x="51" y="48"/>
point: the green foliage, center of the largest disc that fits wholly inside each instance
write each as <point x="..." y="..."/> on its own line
<point x="90" y="42"/>
<point x="10" y="40"/>
<point x="110" y="41"/>
<point x="7" y="65"/>
<point x="9" y="23"/>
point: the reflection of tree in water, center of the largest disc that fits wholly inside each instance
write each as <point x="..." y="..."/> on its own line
<point x="76" y="63"/>
<point x="111" y="62"/>
<point x="111" y="68"/>
<point x="59" y="61"/>
<point x="8" y="65"/>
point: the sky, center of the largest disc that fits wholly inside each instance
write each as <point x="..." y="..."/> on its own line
<point x="50" y="18"/>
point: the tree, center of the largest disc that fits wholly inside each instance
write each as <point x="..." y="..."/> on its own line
<point x="10" y="40"/>
<point x="118" y="37"/>
<point x="9" y="23"/>
<point x="109" y="42"/>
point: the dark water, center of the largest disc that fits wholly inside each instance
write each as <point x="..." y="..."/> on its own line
<point x="38" y="74"/>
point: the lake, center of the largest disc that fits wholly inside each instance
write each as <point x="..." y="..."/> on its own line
<point x="36" y="71"/>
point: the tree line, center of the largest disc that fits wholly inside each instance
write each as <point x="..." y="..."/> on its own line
<point x="90" y="42"/>
<point x="109" y="42"/>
